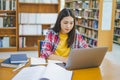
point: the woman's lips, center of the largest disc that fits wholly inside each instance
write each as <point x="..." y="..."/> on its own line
<point x="67" y="29"/>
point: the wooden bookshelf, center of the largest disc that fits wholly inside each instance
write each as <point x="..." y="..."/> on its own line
<point x="38" y="7"/>
<point x="9" y="26"/>
<point x="117" y="23"/>
<point x="89" y="16"/>
<point x="31" y="40"/>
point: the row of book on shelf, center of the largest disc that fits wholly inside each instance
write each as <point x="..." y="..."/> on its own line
<point x="7" y="4"/>
<point x="88" y="33"/>
<point x="85" y="13"/>
<point x="117" y="31"/>
<point x="117" y="22"/>
<point x="4" y="42"/>
<point x="37" y="18"/>
<point x="87" y="23"/>
<point x="91" y="42"/>
<point x="117" y="39"/>
<point x="117" y="15"/>
<point x="23" y="42"/>
<point x="39" y="1"/>
<point x="7" y="21"/>
<point x="33" y="30"/>
<point x="84" y="4"/>
<point x="118" y="5"/>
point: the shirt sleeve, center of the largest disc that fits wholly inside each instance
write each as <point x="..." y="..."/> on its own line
<point x="81" y="42"/>
<point x="47" y="46"/>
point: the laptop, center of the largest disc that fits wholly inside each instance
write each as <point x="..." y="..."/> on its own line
<point x="85" y="58"/>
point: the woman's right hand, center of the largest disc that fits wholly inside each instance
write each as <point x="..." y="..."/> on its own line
<point x="56" y="57"/>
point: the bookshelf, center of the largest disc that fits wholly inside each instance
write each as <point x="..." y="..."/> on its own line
<point x="91" y="20"/>
<point x="8" y="25"/>
<point x="34" y="20"/>
<point x="117" y="23"/>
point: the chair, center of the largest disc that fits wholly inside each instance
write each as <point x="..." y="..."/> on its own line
<point x="41" y="38"/>
<point x="39" y="46"/>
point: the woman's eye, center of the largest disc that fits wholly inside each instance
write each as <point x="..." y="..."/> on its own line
<point x="71" y="23"/>
<point x="65" y="22"/>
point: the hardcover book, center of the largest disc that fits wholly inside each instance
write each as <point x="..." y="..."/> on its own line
<point x="18" y="58"/>
<point x="7" y="63"/>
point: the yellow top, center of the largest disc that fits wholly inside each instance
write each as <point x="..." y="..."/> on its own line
<point x="62" y="49"/>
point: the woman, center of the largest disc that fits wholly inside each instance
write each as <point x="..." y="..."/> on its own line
<point x="62" y="37"/>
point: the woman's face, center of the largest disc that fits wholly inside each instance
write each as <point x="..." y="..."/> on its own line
<point x="67" y="24"/>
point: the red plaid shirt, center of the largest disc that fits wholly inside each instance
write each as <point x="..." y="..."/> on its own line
<point x="51" y="42"/>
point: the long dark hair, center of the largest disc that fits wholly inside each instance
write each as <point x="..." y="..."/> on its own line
<point x="71" y="35"/>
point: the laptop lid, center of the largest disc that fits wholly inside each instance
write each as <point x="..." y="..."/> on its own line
<point x="85" y="58"/>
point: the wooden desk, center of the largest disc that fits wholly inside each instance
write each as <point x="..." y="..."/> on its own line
<point x="7" y="73"/>
<point x="109" y="70"/>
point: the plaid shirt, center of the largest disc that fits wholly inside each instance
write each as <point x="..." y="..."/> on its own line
<point x="51" y="42"/>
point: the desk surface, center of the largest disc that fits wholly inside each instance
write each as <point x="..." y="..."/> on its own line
<point x="109" y="70"/>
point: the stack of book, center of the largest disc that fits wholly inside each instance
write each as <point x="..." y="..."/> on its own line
<point x="15" y="60"/>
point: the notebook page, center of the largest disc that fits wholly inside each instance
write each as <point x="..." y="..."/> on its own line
<point x="55" y="72"/>
<point x="30" y="73"/>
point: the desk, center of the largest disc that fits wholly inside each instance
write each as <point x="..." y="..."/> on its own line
<point x="107" y="71"/>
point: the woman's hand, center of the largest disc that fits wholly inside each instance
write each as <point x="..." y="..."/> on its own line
<point x="56" y="57"/>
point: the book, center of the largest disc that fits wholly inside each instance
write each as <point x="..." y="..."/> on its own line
<point x="6" y="42"/>
<point x="49" y="72"/>
<point x="1" y="44"/>
<point x="18" y="58"/>
<point x="7" y="63"/>
<point x="1" y="22"/>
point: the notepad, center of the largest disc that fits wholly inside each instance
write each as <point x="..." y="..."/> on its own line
<point x="18" y="58"/>
<point x="51" y="72"/>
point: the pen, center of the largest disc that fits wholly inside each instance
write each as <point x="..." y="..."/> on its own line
<point x="20" y="66"/>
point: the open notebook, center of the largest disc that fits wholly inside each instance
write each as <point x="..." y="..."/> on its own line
<point x="51" y="72"/>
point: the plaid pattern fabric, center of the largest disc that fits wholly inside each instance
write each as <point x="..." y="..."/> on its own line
<point x="51" y="42"/>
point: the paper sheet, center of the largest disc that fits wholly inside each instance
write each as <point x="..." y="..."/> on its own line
<point x="37" y="61"/>
<point x="55" y="72"/>
<point x="30" y="73"/>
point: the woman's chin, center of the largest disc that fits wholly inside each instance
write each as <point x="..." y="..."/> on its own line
<point x="66" y="32"/>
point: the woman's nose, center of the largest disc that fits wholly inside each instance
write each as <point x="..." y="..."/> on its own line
<point x="68" y="25"/>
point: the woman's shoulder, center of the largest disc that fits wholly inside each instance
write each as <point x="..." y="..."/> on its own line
<point x="51" y="31"/>
<point x="51" y="36"/>
<point x="77" y="33"/>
